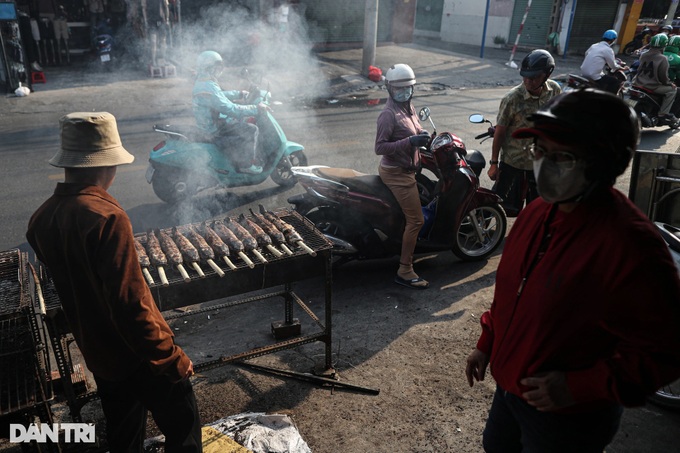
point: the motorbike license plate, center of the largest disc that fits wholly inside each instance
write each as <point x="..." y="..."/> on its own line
<point x="149" y="174"/>
<point x="631" y="102"/>
<point x="105" y="57"/>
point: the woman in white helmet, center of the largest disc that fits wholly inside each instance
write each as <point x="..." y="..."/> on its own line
<point x="217" y="114"/>
<point x="399" y="135"/>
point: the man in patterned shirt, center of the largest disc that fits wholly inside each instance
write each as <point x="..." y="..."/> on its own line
<point x="512" y="169"/>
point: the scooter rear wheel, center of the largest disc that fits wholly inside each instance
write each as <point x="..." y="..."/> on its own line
<point x="172" y="186"/>
<point x="282" y="175"/>
<point x="480" y="233"/>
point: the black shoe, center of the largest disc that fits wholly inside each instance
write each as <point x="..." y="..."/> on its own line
<point x="667" y="120"/>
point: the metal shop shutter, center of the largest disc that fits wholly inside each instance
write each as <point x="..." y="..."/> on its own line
<point x="331" y="21"/>
<point x="537" y="25"/>
<point x="591" y="19"/>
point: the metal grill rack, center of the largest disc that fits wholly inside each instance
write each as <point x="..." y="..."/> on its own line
<point x="24" y="381"/>
<point x="277" y="271"/>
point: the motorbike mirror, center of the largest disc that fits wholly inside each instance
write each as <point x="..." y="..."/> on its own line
<point x="477" y="118"/>
<point x="424" y="113"/>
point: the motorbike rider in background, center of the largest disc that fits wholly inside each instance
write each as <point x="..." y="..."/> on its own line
<point x="671" y="52"/>
<point x="398" y="137"/>
<point x="597" y="57"/>
<point x="510" y="166"/>
<point x="217" y="113"/>
<point x="653" y="75"/>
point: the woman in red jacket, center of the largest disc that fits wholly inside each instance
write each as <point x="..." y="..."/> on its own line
<point x="585" y="311"/>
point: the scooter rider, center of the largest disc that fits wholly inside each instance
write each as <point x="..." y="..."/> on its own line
<point x="653" y="75"/>
<point x="599" y="55"/>
<point x="217" y="114"/>
<point x="398" y="137"/>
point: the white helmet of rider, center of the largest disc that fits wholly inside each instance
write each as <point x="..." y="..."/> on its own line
<point x="209" y="62"/>
<point x="400" y="79"/>
<point x="400" y="75"/>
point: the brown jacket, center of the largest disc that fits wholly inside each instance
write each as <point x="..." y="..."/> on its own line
<point x="85" y="239"/>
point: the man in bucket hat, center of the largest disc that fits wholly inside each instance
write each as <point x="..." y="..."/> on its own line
<point x="585" y="313"/>
<point x="85" y="239"/>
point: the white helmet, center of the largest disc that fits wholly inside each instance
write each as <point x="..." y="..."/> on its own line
<point x="400" y="75"/>
<point x="208" y="61"/>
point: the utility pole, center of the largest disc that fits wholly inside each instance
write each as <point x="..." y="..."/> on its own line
<point x="370" y="35"/>
<point x="670" y="16"/>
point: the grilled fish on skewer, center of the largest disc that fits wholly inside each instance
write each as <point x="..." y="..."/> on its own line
<point x="173" y="253"/>
<point x="272" y="231"/>
<point x="156" y="255"/>
<point x="144" y="261"/>
<point x="291" y="233"/>
<point x="249" y="242"/>
<point x="232" y="241"/>
<point x="263" y="239"/>
<point x="217" y="244"/>
<point x="189" y="252"/>
<point x="204" y="250"/>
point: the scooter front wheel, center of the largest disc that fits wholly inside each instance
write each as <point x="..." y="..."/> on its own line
<point x="282" y="174"/>
<point x="480" y="233"/>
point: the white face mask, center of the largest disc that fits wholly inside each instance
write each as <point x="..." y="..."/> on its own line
<point x="402" y="94"/>
<point x="555" y="183"/>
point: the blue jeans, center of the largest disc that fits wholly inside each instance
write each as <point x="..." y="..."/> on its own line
<point x="515" y="426"/>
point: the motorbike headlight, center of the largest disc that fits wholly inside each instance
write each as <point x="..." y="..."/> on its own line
<point x="441" y="140"/>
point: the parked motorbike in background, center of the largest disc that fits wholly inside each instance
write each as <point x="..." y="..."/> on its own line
<point x="187" y="161"/>
<point x="103" y="43"/>
<point x="359" y="215"/>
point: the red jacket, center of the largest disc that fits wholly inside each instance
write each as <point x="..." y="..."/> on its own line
<point x="85" y="239"/>
<point x="602" y="304"/>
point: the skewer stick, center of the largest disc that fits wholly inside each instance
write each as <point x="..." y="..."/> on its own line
<point x="259" y="256"/>
<point x="183" y="271"/>
<point x="215" y="267"/>
<point x="285" y="248"/>
<point x="272" y="249"/>
<point x="247" y="260"/>
<point x="164" y="278"/>
<point x="306" y="248"/>
<point x="147" y="275"/>
<point x="231" y="265"/>
<point x="198" y="269"/>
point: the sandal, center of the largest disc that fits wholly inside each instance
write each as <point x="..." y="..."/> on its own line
<point x="416" y="283"/>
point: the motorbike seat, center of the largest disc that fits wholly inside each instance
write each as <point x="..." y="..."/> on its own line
<point x="358" y="182"/>
<point x="191" y="133"/>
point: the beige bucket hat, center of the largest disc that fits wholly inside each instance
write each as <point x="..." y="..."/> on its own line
<point x="90" y="139"/>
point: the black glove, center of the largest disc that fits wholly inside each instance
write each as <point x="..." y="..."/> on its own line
<point x="419" y="140"/>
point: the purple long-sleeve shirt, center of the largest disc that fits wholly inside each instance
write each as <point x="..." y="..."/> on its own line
<point x="395" y="125"/>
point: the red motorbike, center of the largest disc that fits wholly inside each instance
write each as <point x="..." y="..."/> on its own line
<point x="359" y="215"/>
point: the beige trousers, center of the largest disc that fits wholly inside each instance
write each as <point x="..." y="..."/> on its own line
<point x="402" y="183"/>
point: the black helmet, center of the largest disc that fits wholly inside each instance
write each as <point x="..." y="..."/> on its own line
<point x="537" y="62"/>
<point x="599" y="122"/>
<point x="666" y="28"/>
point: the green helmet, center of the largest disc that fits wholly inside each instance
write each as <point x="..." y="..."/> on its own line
<point x="675" y="41"/>
<point x="659" y="40"/>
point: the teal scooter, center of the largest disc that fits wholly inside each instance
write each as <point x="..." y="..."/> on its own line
<point x="187" y="161"/>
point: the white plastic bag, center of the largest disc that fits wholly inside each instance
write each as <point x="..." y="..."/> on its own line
<point x="22" y="91"/>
